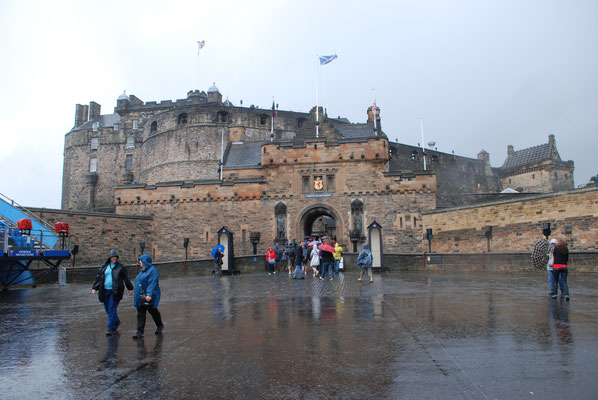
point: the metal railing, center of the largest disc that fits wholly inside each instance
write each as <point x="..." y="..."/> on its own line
<point x="43" y="228"/>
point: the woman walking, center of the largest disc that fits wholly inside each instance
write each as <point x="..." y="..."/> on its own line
<point x="315" y="259"/>
<point x="559" y="269"/>
<point x="110" y="284"/>
<point x="147" y="295"/>
<point x="364" y="261"/>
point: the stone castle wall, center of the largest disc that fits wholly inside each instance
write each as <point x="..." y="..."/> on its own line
<point x="97" y="233"/>
<point x="517" y="224"/>
<point x="354" y="171"/>
<point x="456" y="175"/>
<point x="551" y="178"/>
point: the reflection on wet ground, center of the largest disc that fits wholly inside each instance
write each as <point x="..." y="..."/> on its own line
<point x="410" y="335"/>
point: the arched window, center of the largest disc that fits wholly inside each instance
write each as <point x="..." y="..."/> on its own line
<point x="182" y="119"/>
<point x="154" y="127"/>
<point x="263" y="119"/>
<point x="300" y="122"/>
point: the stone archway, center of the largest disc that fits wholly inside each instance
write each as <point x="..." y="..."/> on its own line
<point x="318" y="216"/>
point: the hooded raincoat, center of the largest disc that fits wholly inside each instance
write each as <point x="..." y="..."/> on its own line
<point x="147" y="282"/>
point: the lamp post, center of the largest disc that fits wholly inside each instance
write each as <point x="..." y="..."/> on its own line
<point x="185" y="245"/>
<point x="488" y="235"/>
<point x="429" y="236"/>
<point x="546" y="230"/>
<point x="254" y="238"/>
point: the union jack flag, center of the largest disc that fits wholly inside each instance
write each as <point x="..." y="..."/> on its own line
<point x="200" y="45"/>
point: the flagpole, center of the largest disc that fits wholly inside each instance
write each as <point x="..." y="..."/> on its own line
<point x="374" y="110"/>
<point x="421" y="120"/>
<point x="317" y="99"/>
<point x="197" y="83"/>
<point x="221" y="152"/>
<point x="272" y="122"/>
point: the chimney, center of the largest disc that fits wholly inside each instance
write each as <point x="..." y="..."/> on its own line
<point x="94" y="110"/>
<point x="484" y="156"/>
<point x="551" y="140"/>
<point x="80" y="114"/>
<point x="510" y="150"/>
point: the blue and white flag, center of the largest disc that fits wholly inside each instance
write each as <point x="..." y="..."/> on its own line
<point x="327" y="59"/>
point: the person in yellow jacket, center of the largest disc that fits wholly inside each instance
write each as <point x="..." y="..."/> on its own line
<point x="338" y="255"/>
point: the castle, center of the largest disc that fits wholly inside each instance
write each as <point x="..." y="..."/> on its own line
<point x="200" y="163"/>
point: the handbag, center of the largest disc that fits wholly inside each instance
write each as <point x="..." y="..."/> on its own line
<point x="144" y="302"/>
<point x="341" y="264"/>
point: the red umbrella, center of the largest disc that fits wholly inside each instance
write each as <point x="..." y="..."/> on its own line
<point x="327" y="247"/>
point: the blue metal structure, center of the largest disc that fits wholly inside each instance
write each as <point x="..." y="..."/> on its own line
<point x="18" y="249"/>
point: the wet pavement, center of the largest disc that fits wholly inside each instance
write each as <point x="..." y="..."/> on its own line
<point x="408" y="335"/>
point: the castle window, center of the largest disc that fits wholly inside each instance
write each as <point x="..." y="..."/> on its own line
<point x="263" y="119"/>
<point x="154" y="127"/>
<point x="413" y="154"/>
<point x="223" y="116"/>
<point x="131" y="142"/>
<point x="415" y="221"/>
<point x="330" y="183"/>
<point x="555" y="175"/>
<point x="135" y="124"/>
<point x="533" y="176"/>
<point x="300" y="122"/>
<point x="129" y="162"/>
<point x="401" y="222"/>
<point x="95" y="126"/>
<point x="305" y="184"/>
<point x="95" y="143"/>
<point x="93" y="164"/>
<point x="243" y="235"/>
<point x="509" y="181"/>
<point x="182" y="119"/>
<point x="434" y="158"/>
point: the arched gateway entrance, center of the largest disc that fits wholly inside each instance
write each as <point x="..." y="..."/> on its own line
<point x="321" y="219"/>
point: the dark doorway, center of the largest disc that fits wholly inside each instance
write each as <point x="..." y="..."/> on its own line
<point x="320" y="220"/>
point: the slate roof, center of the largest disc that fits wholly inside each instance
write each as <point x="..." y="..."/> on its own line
<point x="247" y="154"/>
<point x="529" y="156"/>
<point x="105" y="121"/>
<point x="356" y="131"/>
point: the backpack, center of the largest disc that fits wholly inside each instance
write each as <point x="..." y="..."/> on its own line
<point x="291" y="253"/>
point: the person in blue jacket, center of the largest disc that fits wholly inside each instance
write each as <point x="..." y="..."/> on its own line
<point x="147" y="295"/>
<point x="110" y="285"/>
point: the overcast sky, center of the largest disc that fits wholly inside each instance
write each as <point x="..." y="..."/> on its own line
<point x="482" y="74"/>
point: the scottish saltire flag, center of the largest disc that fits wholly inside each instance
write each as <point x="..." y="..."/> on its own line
<point x="327" y="59"/>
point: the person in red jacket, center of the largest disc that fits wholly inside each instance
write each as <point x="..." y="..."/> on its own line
<point x="559" y="269"/>
<point x="271" y="260"/>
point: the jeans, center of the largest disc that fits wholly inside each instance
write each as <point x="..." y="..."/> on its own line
<point x="560" y="276"/>
<point x="551" y="282"/>
<point x="299" y="270"/>
<point x="141" y="317"/>
<point x="111" y="305"/>
<point x="327" y="264"/>
<point x="336" y="264"/>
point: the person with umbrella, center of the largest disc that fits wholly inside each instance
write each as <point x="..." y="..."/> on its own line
<point x="218" y="255"/>
<point x="327" y="259"/>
